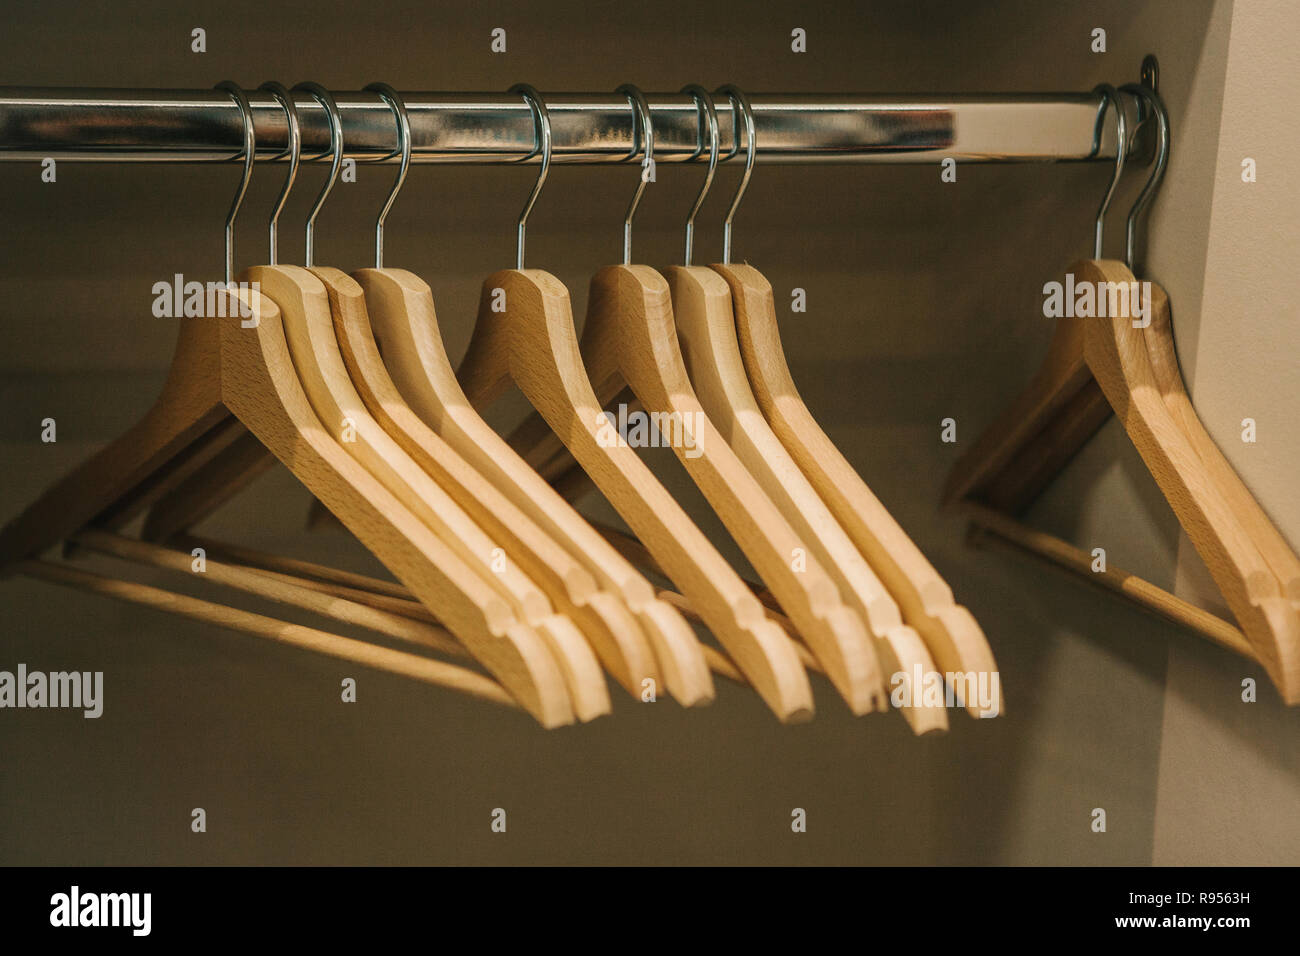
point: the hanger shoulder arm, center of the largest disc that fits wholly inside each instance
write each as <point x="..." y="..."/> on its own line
<point x="402" y="312"/>
<point x="706" y="331"/>
<point x="261" y="387"/>
<point x="546" y="364"/>
<point x="906" y="571"/>
<point x="1035" y="466"/>
<point x="348" y="649"/>
<point x="1117" y="355"/>
<point x="1273" y="547"/>
<point x="633" y="631"/>
<point x="319" y="361"/>
<point x="196" y="458"/>
<point x="651" y="362"/>
<point x="521" y="542"/>
<point x="948" y="630"/>
<point x="730" y="610"/>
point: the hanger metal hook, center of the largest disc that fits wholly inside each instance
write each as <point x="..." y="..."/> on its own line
<point x="295" y="152"/>
<point x="1110" y="98"/>
<point x="738" y="97"/>
<point x="642" y="141"/>
<point x="542" y="143"/>
<point x="249" y="154"/>
<point x="395" y="103"/>
<point x="706" y="114"/>
<point x="323" y="97"/>
<point x="1157" y="106"/>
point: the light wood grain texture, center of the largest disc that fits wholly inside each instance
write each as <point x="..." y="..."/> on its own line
<point x="395" y="599"/>
<point x="556" y="465"/>
<point x="544" y="450"/>
<point x="308" y="306"/>
<point x="533" y="343"/>
<point x="261" y="386"/>
<point x="570" y="587"/>
<point x="277" y="588"/>
<point x="1158" y="601"/>
<point x="949" y="630"/>
<point x="391" y="456"/>
<point x="627" y="546"/>
<point x="806" y="656"/>
<point x="392" y="598"/>
<point x="373" y="592"/>
<point x="404" y="604"/>
<point x="220" y="368"/>
<point x="706" y="332"/>
<point x="636" y="552"/>
<point x="405" y="325"/>
<point x="630" y="338"/>
<point x="1273" y="548"/>
<point x="294" y="635"/>
<point x="1117" y="354"/>
<point x="1042" y="459"/>
<point x="1209" y="509"/>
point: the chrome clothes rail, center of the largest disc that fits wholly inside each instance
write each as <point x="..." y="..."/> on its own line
<point x="127" y="125"/>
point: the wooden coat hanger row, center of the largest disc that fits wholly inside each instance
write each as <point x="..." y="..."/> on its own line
<point x="1124" y="362"/>
<point x="344" y="380"/>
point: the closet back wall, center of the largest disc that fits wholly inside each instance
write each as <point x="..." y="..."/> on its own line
<point x="923" y="300"/>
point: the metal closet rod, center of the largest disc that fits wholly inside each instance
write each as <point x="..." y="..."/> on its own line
<point x="127" y="125"/>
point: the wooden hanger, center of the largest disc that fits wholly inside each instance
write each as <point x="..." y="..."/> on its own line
<point x="1038" y="462"/>
<point x="351" y="650"/>
<point x="629" y="332"/>
<point x="401" y="310"/>
<point x="602" y="618"/>
<point x="536" y="313"/>
<point x="312" y="303"/>
<point x="499" y="562"/>
<point x="929" y="602"/>
<point x="629" y="338"/>
<point x="1118" y="354"/>
<point x="251" y="372"/>
<point x="702" y="305"/>
<point x="1062" y="375"/>
<point x="1273" y="548"/>
<point x="241" y="366"/>
<point x="569" y="587"/>
<point x="532" y="341"/>
<point x="950" y="631"/>
<point x="706" y="332"/>
<point x="1159" y="335"/>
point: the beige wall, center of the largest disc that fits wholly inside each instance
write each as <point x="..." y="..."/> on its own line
<point x="1229" y="770"/>
<point x="923" y="303"/>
